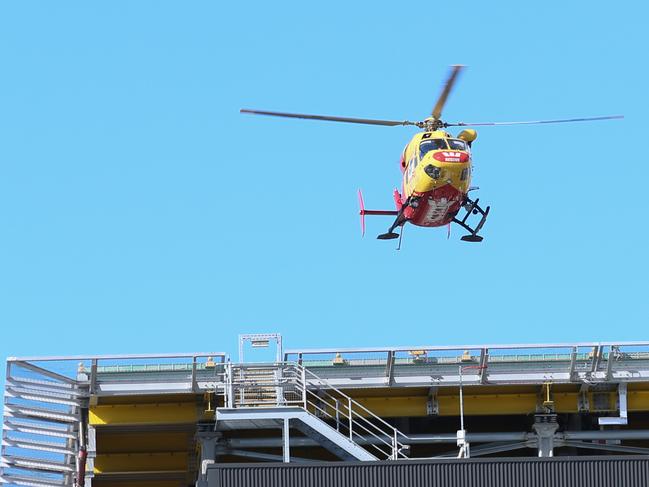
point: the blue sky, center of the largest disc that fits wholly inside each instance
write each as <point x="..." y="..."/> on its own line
<point x="140" y="212"/>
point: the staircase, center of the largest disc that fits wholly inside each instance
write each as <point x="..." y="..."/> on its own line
<point x="265" y="396"/>
<point x="40" y="434"/>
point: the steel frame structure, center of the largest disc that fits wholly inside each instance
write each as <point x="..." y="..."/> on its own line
<point x="320" y="377"/>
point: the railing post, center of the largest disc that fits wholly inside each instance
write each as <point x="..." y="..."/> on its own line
<point x="229" y="386"/>
<point x="280" y="393"/>
<point x="395" y="446"/>
<point x="337" y="402"/>
<point x="349" y="410"/>
<point x="303" y="370"/>
<point x="193" y="379"/>
<point x="93" y="375"/>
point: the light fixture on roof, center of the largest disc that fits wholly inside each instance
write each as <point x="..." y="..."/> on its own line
<point x="418" y="355"/>
<point x="339" y="360"/>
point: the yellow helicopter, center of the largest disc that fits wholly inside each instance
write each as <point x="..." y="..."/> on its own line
<point x="436" y="169"/>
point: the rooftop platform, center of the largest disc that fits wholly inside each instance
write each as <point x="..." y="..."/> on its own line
<point x="140" y="415"/>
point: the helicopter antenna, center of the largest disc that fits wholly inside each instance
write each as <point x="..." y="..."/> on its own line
<point x="403" y="227"/>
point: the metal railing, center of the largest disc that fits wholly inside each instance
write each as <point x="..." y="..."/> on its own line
<point x="611" y="362"/>
<point x="290" y="384"/>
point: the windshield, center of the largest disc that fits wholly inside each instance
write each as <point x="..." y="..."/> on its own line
<point x="457" y="144"/>
<point x="431" y="144"/>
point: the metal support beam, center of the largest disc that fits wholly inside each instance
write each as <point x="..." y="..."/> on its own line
<point x="389" y="368"/>
<point x="208" y="442"/>
<point x="606" y="447"/>
<point x="573" y="363"/>
<point x="45" y="372"/>
<point x="413" y="439"/>
<point x="612" y="356"/>
<point x="490" y="448"/>
<point x="597" y="355"/>
<point x="605" y="435"/>
<point x="265" y="456"/>
<point x="623" y="418"/>
<point x="432" y="406"/>
<point x="583" y="403"/>
<point x="484" y="360"/>
<point x="545" y="426"/>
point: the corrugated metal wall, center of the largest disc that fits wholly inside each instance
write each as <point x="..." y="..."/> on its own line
<point x="501" y="472"/>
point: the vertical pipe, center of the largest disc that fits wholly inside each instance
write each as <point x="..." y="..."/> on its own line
<point x="83" y="449"/>
<point x="286" y="441"/>
<point x="461" y="402"/>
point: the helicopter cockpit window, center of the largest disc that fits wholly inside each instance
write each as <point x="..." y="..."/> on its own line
<point x="457" y="144"/>
<point x="431" y="144"/>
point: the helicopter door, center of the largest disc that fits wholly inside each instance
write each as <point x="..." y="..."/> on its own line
<point x="412" y="165"/>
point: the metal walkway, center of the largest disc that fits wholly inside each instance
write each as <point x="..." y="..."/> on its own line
<point x="417" y="366"/>
<point x="258" y="396"/>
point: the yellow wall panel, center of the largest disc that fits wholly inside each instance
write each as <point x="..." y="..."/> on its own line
<point x="638" y="400"/>
<point x="107" y="482"/>
<point x="565" y="402"/>
<point x="488" y="404"/>
<point x="143" y="414"/>
<point x="386" y="407"/>
<point x="142" y="462"/>
<point x="143" y="442"/>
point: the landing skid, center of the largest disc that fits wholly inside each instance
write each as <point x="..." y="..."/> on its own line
<point x="472" y="207"/>
<point x="388" y="236"/>
<point x="471" y="238"/>
<point x="399" y="221"/>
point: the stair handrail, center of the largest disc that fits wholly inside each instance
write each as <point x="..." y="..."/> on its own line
<point x="353" y="418"/>
<point x="291" y="384"/>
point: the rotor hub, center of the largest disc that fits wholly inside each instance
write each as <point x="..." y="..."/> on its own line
<point x="432" y="124"/>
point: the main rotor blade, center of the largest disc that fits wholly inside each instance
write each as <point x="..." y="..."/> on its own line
<point x="441" y="101"/>
<point x="367" y="121"/>
<point x="531" y="122"/>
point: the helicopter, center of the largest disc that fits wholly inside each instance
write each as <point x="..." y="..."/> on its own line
<point x="436" y="169"/>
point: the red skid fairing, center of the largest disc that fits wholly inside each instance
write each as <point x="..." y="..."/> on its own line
<point x="436" y="207"/>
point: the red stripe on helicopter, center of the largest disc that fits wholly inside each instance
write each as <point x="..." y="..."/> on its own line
<point x="451" y="156"/>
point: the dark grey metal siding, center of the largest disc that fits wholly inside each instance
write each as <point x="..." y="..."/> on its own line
<point x="501" y="472"/>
